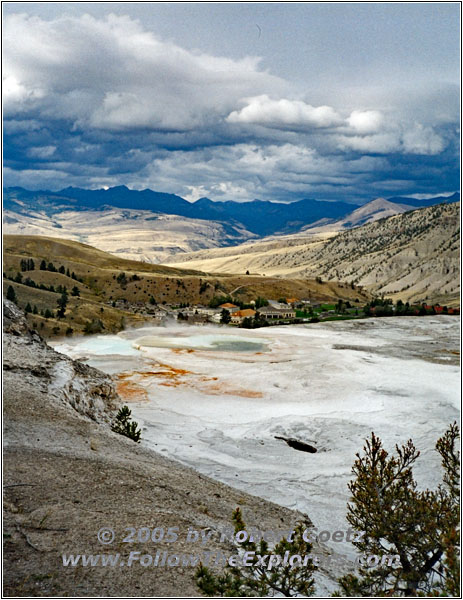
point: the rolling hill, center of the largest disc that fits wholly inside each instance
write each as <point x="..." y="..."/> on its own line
<point x="104" y="281"/>
<point x="412" y="256"/>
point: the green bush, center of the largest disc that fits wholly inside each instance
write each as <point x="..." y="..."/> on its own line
<point x="255" y="580"/>
<point x="125" y="426"/>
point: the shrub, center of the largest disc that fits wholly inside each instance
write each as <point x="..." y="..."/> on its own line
<point x="125" y="426"/>
<point x="94" y="326"/>
<point x="11" y="294"/>
<point x="256" y="580"/>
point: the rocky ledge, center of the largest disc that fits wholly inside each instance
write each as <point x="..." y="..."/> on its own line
<point x="66" y="475"/>
<point x="29" y="360"/>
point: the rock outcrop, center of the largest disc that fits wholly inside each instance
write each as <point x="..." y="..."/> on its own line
<point x="66" y="475"/>
<point x="29" y="360"/>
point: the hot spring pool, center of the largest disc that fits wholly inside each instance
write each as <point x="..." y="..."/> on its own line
<point x="100" y="345"/>
<point x="218" y="343"/>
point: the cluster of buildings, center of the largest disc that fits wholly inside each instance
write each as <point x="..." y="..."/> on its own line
<point x="198" y="314"/>
<point x="274" y="311"/>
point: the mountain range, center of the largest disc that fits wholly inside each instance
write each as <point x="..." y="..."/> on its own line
<point x="402" y="247"/>
<point x="258" y="218"/>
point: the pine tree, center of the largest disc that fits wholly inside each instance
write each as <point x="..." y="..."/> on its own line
<point x="122" y="279"/>
<point x="11" y="294"/>
<point x="35" y="309"/>
<point x="256" y="580"/>
<point x="75" y="291"/>
<point x="62" y="270"/>
<point x="28" y="308"/>
<point x="225" y="317"/>
<point x="125" y="426"/>
<point x="62" y="302"/>
<point x="43" y="266"/>
<point x="420" y="527"/>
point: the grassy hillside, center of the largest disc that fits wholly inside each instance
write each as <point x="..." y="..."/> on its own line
<point x="98" y="278"/>
<point x="413" y="256"/>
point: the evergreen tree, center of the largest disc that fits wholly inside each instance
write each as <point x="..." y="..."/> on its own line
<point x="62" y="270"/>
<point x="225" y="317"/>
<point x="18" y="278"/>
<point x="35" y="309"/>
<point x="48" y="314"/>
<point x="68" y="274"/>
<point x="43" y="266"/>
<point x="28" y="308"/>
<point x="122" y="279"/>
<point x="421" y="528"/>
<point x="124" y="425"/>
<point x="62" y="303"/>
<point x="11" y="294"/>
<point x="260" y="302"/>
<point x="257" y="580"/>
<point x="31" y="265"/>
<point x="75" y="291"/>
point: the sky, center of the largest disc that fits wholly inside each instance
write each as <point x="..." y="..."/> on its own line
<point x="234" y="101"/>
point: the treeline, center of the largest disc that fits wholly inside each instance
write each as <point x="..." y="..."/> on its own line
<point x="46" y="313"/>
<point x="44" y="266"/>
<point x="384" y="307"/>
<point x="60" y="289"/>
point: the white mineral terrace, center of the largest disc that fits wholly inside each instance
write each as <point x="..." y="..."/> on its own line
<point x="215" y="398"/>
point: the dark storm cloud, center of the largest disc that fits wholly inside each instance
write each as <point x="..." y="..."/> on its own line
<point x="104" y="101"/>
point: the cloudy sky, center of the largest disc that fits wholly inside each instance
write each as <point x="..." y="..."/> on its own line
<point x="233" y="101"/>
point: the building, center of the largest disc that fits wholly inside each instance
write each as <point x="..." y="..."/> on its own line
<point x="292" y="301"/>
<point x="239" y="315"/>
<point x="230" y="307"/>
<point x="306" y="302"/>
<point x="197" y="319"/>
<point x="275" y="304"/>
<point x="270" y="313"/>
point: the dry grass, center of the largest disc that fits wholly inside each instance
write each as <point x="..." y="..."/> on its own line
<point x="100" y="288"/>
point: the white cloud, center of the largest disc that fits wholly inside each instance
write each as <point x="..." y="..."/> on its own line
<point x="393" y="136"/>
<point x="41" y="151"/>
<point x="381" y="143"/>
<point x="195" y="192"/>
<point x="422" y="140"/>
<point x="246" y="171"/>
<point x="365" y="121"/>
<point x="115" y="104"/>
<point x="284" y="113"/>
<point x="111" y="73"/>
